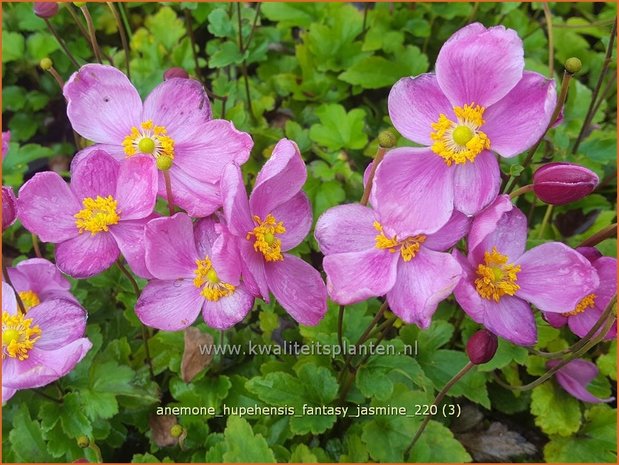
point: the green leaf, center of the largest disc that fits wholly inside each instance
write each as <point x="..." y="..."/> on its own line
<point x="320" y="385"/>
<point x="243" y="446"/>
<point x="26" y="438"/>
<point x="40" y="45"/>
<point x="278" y="389"/>
<point x="437" y="445"/>
<point x="596" y="442"/>
<point x="220" y="24"/>
<point x="387" y="437"/>
<point x="302" y="454"/>
<point x="166" y="27"/>
<point x="227" y="53"/>
<point x="555" y="410"/>
<point x="329" y="194"/>
<point x="339" y="129"/>
<point x="291" y="14"/>
<point x="13" y="46"/>
<point x="72" y="418"/>
<point x="607" y="363"/>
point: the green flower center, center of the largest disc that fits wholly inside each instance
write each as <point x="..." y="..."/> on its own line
<point x="462" y="134"/>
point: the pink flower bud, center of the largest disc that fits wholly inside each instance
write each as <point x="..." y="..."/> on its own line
<point x="9" y="207"/>
<point x="481" y="346"/>
<point x="175" y="73"/>
<point x="45" y="9"/>
<point x="560" y="183"/>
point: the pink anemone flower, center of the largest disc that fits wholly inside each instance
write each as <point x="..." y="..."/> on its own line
<point x="174" y="121"/>
<point x="276" y="218"/>
<point x="9" y="207"/>
<point x="41" y="346"/>
<point x="575" y="376"/>
<point x="589" y="309"/>
<point x="366" y="256"/>
<point x="37" y="280"/>
<point x="501" y="280"/>
<point x="478" y="101"/>
<point x="101" y="214"/>
<point x="195" y="268"/>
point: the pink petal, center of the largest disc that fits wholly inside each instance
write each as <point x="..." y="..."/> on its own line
<point x="606" y="268"/>
<point x="129" y="236"/>
<point x="582" y="323"/>
<point x="42" y="275"/>
<point x="169" y="305"/>
<point x="136" y="190"/>
<point x="296" y="214"/>
<point x="501" y="225"/>
<point x="465" y="293"/>
<point x="511" y="318"/>
<point x="170" y="248"/>
<point x="554" y="277"/>
<point x="61" y="323"/>
<point x="7" y="393"/>
<point x="43" y="366"/>
<point x="415" y="103"/>
<point x="479" y="65"/>
<point x="235" y="204"/>
<point x="180" y="105"/>
<point x="575" y="376"/>
<point x="556" y="320"/>
<point x="346" y="228"/>
<point x="519" y="119"/>
<point x="254" y="274"/>
<point x="95" y="175"/>
<point x="228" y="311"/>
<point x="299" y="288"/>
<point x="46" y="207"/>
<point x="206" y="231"/>
<point x="9" y="302"/>
<point x="421" y="284"/>
<point x="280" y="179"/>
<point x="455" y="229"/>
<point x="413" y="191"/>
<point x="590" y="253"/>
<point x="102" y="104"/>
<point x="209" y="150"/>
<point x="196" y="197"/>
<point x="226" y="258"/>
<point x="356" y="276"/>
<point x="476" y="184"/>
<point x="87" y="255"/>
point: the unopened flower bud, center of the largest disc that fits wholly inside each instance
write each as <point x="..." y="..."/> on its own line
<point x="176" y="431"/>
<point x="83" y="442"/>
<point x="45" y="9"/>
<point x="46" y="64"/>
<point x="387" y="139"/>
<point x="175" y="73"/>
<point x="164" y="163"/>
<point x="560" y="183"/>
<point x="9" y="207"/>
<point x="573" y="65"/>
<point x="481" y="347"/>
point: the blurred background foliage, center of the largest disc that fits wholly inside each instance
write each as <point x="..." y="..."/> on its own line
<point x="317" y="73"/>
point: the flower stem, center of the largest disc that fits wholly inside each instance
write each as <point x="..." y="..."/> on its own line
<point x="254" y="26"/>
<point x="123" y="35"/>
<point x="35" y="246"/>
<point x="97" y="451"/>
<point x="600" y="236"/>
<point x="168" y="190"/>
<point x="592" y="105"/>
<point x="91" y="31"/>
<point x="244" y="63"/>
<point x="7" y="279"/>
<point x="437" y="400"/>
<point x="522" y="190"/>
<point x="340" y="326"/>
<point x="551" y="47"/>
<point x="80" y="26"/>
<point x="56" y="77"/>
<point x="380" y="154"/>
<point x="129" y="276"/>
<point x="565" y="84"/>
<point x="47" y="396"/>
<point x="64" y="47"/>
<point x="545" y="221"/>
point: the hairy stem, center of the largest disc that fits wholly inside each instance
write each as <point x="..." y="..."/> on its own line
<point x="551" y="47"/>
<point x="123" y="35"/>
<point x="595" y="239"/>
<point x="91" y="31"/>
<point x="64" y="47"/>
<point x="168" y="190"/>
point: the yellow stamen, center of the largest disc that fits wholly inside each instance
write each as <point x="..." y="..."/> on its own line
<point x="149" y="139"/>
<point x="460" y="142"/>
<point x="97" y="215"/>
<point x="496" y="276"/>
<point x="265" y="240"/>
<point x="584" y="304"/>
<point x="206" y="278"/>
<point x="408" y="247"/>
<point x="18" y="336"/>
<point x="29" y="299"/>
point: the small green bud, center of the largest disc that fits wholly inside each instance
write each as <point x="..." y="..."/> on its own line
<point x="176" y="431"/>
<point x="79" y="4"/>
<point x="164" y="163"/>
<point x="387" y="139"/>
<point x="46" y="64"/>
<point x="83" y="442"/>
<point x="573" y="65"/>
